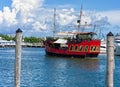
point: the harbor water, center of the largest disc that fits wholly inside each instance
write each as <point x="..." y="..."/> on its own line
<point x="40" y="70"/>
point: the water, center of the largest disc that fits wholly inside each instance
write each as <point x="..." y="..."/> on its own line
<point x="39" y="70"/>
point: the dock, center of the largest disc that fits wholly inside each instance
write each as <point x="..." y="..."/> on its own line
<point x="37" y="45"/>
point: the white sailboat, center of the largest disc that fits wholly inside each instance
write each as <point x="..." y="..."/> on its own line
<point x="117" y="45"/>
<point x="103" y="46"/>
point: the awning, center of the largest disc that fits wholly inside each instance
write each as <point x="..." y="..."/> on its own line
<point x="61" y="41"/>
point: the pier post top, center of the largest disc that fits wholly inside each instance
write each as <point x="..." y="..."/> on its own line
<point x="18" y="30"/>
<point x="110" y="34"/>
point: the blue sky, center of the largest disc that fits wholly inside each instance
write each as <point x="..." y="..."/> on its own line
<point x="4" y="3"/>
<point x="35" y="17"/>
<point x="88" y="4"/>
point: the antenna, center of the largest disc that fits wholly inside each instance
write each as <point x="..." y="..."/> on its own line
<point x="54" y="25"/>
<point x="79" y="21"/>
<point x="94" y="27"/>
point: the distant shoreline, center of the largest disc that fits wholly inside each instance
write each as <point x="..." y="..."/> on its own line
<point x="25" y="45"/>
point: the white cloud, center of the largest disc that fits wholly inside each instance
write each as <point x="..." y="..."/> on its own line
<point x="37" y="26"/>
<point x="1" y="17"/>
<point x="113" y="16"/>
<point x="21" y="13"/>
<point x="26" y="8"/>
<point x="65" y="19"/>
<point x="26" y="5"/>
<point x="106" y="21"/>
<point x="70" y="16"/>
<point x="9" y="16"/>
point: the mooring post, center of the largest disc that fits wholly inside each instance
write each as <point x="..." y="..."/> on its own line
<point x="18" y="57"/>
<point x="110" y="60"/>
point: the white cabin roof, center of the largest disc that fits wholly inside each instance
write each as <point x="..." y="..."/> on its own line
<point x="61" y="41"/>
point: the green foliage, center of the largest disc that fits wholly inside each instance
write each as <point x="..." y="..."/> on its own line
<point x="33" y="40"/>
<point x="26" y="39"/>
<point x="6" y="37"/>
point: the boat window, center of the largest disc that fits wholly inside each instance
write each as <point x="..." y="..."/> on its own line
<point x="71" y="47"/>
<point x="117" y="41"/>
<point x="76" y="47"/>
<point x="91" y="48"/>
<point x="102" y="46"/>
<point x="94" y="48"/>
<point x="81" y="47"/>
<point x="86" y="48"/>
<point x="98" y="48"/>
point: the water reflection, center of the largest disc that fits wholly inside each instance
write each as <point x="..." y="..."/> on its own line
<point x="61" y="71"/>
<point x="87" y="63"/>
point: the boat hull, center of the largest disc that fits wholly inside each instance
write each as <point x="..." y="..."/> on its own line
<point x="117" y="50"/>
<point x="71" y="55"/>
<point x="81" y="50"/>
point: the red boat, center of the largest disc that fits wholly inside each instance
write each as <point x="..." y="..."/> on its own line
<point x="78" y="44"/>
<point x="81" y="45"/>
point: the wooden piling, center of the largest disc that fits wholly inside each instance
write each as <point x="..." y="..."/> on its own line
<point x="110" y="60"/>
<point x="18" y="58"/>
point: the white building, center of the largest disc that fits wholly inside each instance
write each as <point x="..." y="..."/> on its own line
<point x="6" y="43"/>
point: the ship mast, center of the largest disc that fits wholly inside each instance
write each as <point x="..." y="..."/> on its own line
<point x="54" y="24"/>
<point x="79" y="21"/>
